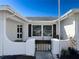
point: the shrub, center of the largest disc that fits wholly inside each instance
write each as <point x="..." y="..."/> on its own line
<point x="69" y="53"/>
<point x="64" y="54"/>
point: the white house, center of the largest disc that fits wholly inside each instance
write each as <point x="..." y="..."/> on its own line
<point x="18" y="33"/>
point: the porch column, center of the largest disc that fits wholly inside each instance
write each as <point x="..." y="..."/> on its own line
<point x="59" y="29"/>
<point x="42" y="31"/>
<point x="2" y="31"/>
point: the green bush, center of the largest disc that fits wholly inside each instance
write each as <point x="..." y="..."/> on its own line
<point x="69" y="53"/>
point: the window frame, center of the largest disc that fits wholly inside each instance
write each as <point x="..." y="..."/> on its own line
<point x="19" y="31"/>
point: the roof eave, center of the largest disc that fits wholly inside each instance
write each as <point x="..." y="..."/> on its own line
<point x="69" y="13"/>
<point x="8" y="8"/>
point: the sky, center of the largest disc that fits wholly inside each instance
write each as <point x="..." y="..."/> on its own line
<point x="40" y="7"/>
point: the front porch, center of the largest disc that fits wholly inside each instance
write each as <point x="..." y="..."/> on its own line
<point x="33" y="48"/>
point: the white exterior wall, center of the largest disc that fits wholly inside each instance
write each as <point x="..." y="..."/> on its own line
<point x="57" y="28"/>
<point x="11" y="29"/>
<point x="30" y="46"/>
<point x="67" y="28"/>
<point x="25" y="31"/>
<point x="19" y="48"/>
<point x="58" y="45"/>
<point x="77" y="31"/>
<point x="8" y="47"/>
<point x="2" y="17"/>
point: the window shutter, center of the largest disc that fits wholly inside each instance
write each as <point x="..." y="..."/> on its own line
<point x="54" y="30"/>
<point x="29" y="30"/>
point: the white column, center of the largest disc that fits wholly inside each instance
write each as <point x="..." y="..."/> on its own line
<point x="59" y="30"/>
<point x="42" y="31"/>
<point x="2" y="32"/>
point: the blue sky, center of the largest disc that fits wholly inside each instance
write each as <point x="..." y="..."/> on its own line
<point x="40" y="7"/>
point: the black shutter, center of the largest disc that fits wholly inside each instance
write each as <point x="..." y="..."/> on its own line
<point x="54" y="30"/>
<point x="29" y="30"/>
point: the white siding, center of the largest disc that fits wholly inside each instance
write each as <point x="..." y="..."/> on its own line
<point x="2" y="17"/>
<point x="58" y="45"/>
<point x="7" y="47"/>
<point x="67" y="28"/>
<point x="11" y="26"/>
<point x="11" y="29"/>
<point x="77" y="31"/>
<point x="57" y="28"/>
<point x="25" y="31"/>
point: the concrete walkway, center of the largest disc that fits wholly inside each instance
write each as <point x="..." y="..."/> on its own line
<point x="44" y="55"/>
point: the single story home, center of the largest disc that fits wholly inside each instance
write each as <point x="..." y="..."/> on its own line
<point x="18" y="33"/>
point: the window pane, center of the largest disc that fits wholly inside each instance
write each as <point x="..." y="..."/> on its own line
<point x="21" y="26"/>
<point x="20" y="35"/>
<point x="17" y="26"/>
<point x="47" y="30"/>
<point x="20" y="30"/>
<point x="36" y="30"/>
<point x="17" y="35"/>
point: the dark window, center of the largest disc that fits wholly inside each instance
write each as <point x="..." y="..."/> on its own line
<point x="20" y="35"/>
<point x="18" y="30"/>
<point x="17" y="25"/>
<point x="20" y="25"/>
<point x="21" y="30"/>
<point x="17" y="35"/>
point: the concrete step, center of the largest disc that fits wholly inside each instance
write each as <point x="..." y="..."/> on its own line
<point x="44" y="55"/>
